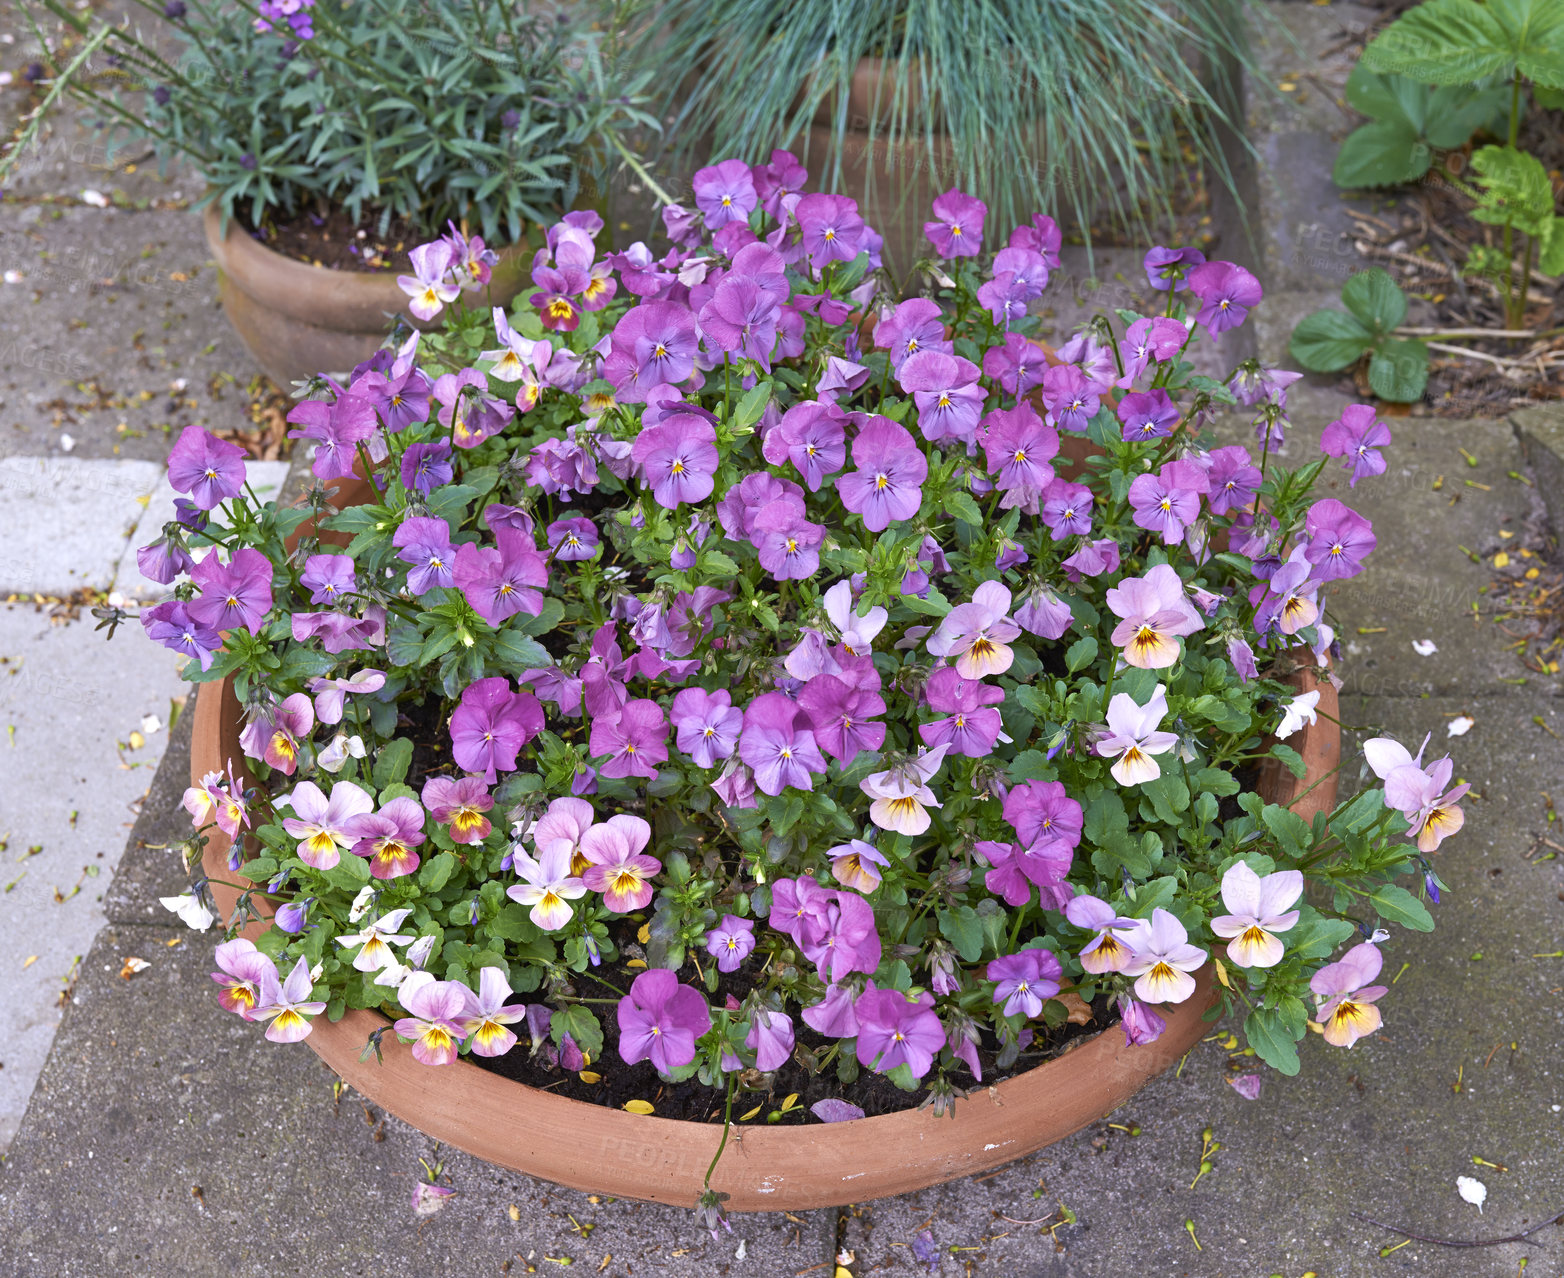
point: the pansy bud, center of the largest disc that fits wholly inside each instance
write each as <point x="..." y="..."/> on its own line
<point x="419" y="951"/>
<point x="361" y="902"/>
<point x="292" y="916"/>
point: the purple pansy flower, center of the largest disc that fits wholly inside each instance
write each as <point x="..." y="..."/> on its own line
<point x="915" y="325"/>
<point x="1339" y="538"/>
<point x="491" y="725"/>
<point x="636" y="742"/>
<point x="831" y="227"/>
<point x="1357" y="435"/>
<point x="437" y="1015"/>
<point x="841" y="715"/>
<point x="1071" y="399"/>
<point x="1226" y="292"/>
<point x="170" y="624"/>
<point x="460" y="803"/>
<point x="893" y="1031"/>
<point x="424" y="543"/>
<point x="957" y="230"/>
<point x="812" y="437"/>
<point x="328" y="578"/>
<point x="971" y="726"/>
<point x="1067" y="509"/>
<point x="1023" y="982"/>
<point x="789" y="545"/>
<point x="976" y="635"/>
<point x="678" y="456"/>
<point x="500" y="582"/>
<point x="238" y="593"/>
<point x="572" y="539"/>
<point x="731" y="942"/>
<point x="724" y="193"/>
<point x="1017" y="364"/>
<point x="211" y="470"/>
<point x="1168" y="502"/>
<point x="771" y="1039"/>
<point x="287" y="1006"/>
<point x="947" y="392"/>
<point x="1018" y="446"/>
<point x="887" y="485"/>
<point x="660" y="1019"/>
<point x="1233" y="478"/>
<point x="426" y="467"/>
<point x="1166" y="268"/>
<point x="1147" y="415"/>
<point x="778" y="745"/>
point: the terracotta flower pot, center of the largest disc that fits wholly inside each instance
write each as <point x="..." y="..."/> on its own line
<point x="766" y="1168"/>
<point x="299" y="319"/>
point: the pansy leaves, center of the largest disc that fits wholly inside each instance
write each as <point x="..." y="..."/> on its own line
<point x="1328" y="341"/>
<point x="963" y="929"/>
<point x="1397" y="905"/>
<point x="581" y="1025"/>
<point x="1271" y="1041"/>
<point x="391" y="762"/>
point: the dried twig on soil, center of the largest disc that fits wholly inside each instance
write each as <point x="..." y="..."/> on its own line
<point x="1463" y="1242"/>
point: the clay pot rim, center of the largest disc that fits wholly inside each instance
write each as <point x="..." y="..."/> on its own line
<point x="327" y="298"/>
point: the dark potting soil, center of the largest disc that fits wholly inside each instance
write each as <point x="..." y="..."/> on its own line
<point x="608" y="1081"/>
<point x="335" y="241"/>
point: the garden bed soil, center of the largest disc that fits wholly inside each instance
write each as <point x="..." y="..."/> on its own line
<point x="1422" y="235"/>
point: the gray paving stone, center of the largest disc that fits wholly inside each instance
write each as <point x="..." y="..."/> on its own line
<point x="114" y="335"/>
<point x="73" y="516"/>
<point x="70" y="786"/>
<point x="170" y="1138"/>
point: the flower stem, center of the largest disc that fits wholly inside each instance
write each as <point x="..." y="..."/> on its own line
<point x="727" y="1124"/>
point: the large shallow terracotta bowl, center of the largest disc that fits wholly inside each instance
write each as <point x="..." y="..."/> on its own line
<point x="609" y="1151"/>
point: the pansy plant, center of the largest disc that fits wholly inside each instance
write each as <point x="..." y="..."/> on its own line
<point x="722" y="602"/>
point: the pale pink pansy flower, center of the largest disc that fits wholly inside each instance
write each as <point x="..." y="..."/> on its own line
<point x="1107" y="950"/>
<point x="287" y="1006"/>
<point x="1261" y="907"/>
<point x="549" y="886"/>
<point x="243" y="970"/>
<point x="486" y="1025"/>
<point x="1162" y="959"/>
<point x="1154" y="612"/>
<point x="619" y="869"/>
<point x="901" y="794"/>
<point x="977" y="634"/>
<point x="1346" y="1000"/>
<point x="1134" y="737"/>
<point x="437" y="1012"/>
<point x="857" y="630"/>
<point x="320" y="825"/>
<point x="377" y="938"/>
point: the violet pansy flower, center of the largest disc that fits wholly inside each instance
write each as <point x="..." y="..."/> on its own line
<point x="1024" y="981"/>
<point x="1357" y="435"/>
<point x="460" y="803"/>
<point x="1226" y="292"/>
<point x="437" y="1012"/>
<point x="660" y="1020"/>
<point x="211" y="470"/>
<point x="887" y="485"/>
<point x="893" y="1031"/>
<point x="287" y="1006"/>
<point x="778" y="745"/>
<point x="1108" y="950"/>
<point x="321" y="825"/>
<point x="957" y="228"/>
<point x="731" y="942"/>
<point x="618" y="868"/>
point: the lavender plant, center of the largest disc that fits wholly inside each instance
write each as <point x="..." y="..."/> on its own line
<point x="742" y="611"/>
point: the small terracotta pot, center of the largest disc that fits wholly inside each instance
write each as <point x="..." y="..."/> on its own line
<point x="299" y="319"/>
<point x="609" y="1151"/>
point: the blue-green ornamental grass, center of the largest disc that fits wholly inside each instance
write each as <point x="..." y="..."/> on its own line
<point x="744" y="611"/>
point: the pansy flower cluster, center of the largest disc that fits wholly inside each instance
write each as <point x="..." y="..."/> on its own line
<point x="726" y="648"/>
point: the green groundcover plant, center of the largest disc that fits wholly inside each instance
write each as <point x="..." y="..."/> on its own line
<point x="724" y="603"/>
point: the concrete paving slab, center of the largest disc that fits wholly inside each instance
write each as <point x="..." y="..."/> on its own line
<point x="1381" y="1129"/>
<point x="266" y="478"/>
<point x="114" y="335"/>
<point x="170" y="1138"/>
<point x="73" y="516"/>
<point x="70" y="786"/>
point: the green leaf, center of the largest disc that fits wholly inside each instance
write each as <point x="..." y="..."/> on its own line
<point x="512" y="923"/>
<point x="391" y="762"/>
<point x="1291" y="758"/>
<point x="964" y="508"/>
<point x="936" y="605"/>
<point x="1398" y="372"/>
<point x="1462" y="42"/>
<point x="1169" y="796"/>
<point x="1271" y="1041"/>
<point x="1550" y="260"/>
<point x="1375" y="299"/>
<point x="751" y="406"/>
<point x="1397" y="905"/>
<point x="962" y="928"/>
<point x="1382" y="153"/>
<point x="1516" y="189"/>
<point x="434" y="873"/>
<point x="1328" y="341"/>
<point x="1290" y="829"/>
<point x="519" y="652"/>
<point x="581" y="1025"/>
<point x="349" y="874"/>
<point x="1080" y="654"/>
<point x="1314" y="936"/>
